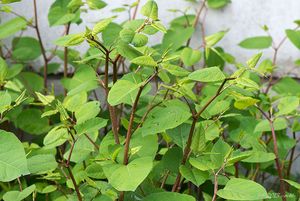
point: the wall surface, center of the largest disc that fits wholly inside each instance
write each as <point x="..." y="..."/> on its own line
<point x="244" y="19"/>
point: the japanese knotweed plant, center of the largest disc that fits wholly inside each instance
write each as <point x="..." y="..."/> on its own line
<point x="137" y="121"/>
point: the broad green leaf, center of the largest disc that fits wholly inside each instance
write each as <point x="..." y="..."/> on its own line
<point x="9" y="1"/>
<point x="17" y="195"/>
<point x="211" y="74"/>
<point x="294" y="37"/>
<point x="193" y="175"/>
<point x="120" y="91"/>
<point x="132" y="174"/>
<point x="190" y="57"/>
<point x="254" y="60"/>
<point x="75" y="4"/>
<point x="41" y="163"/>
<point x="242" y="189"/>
<point x="259" y="157"/>
<point x="46" y="100"/>
<point x="13" y="161"/>
<point x="87" y="111"/>
<point x="180" y="134"/>
<point x="72" y="103"/>
<point x="56" y="137"/>
<point x="150" y="9"/>
<point x="203" y="163"/>
<point x="83" y="148"/>
<point x="293" y="183"/>
<point x="90" y="125"/>
<point x="5" y="101"/>
<point x="216" y="4"/>
<point x="70" y="40"/>
<point x="220" y="152"/>
<point x="175" y="38"/>
<point x="100" y="26"/>
<point x="128" y="51"/>
<point x="159" y="118"/>
<point x="144" y="61"/>
<point x="44" y="188"/>
<point x="26" y="49"/>
<point x="171" y="160"/>
<point x="287" y="105"/>
<point x="25" y="119"/>
<point x="258" y="42"/>
<point x="139" y="40"/>
<point x="283" y="86"/>
<point x="60" y="14"/>
<point x="3" y="70"/>
<point x="95" y="171"/>
<point x="245" y="102"/>
<point x="127" y="35"/>
<point x="175" y="70"/>
<point x="13" y="70"/>
<point x="198" y="141"/>
<point x="12" y="26"/>
<point x="213" y="39"/>
<point x="168" y="196"/>
<point x="264" y="125"/>
<point x="31" y="81"/>
<point x="96" y="4"/>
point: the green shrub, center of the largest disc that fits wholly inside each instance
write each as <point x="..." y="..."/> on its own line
<point x="136" y="121"/>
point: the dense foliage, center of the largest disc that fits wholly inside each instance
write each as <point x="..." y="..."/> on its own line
<point x="138" y="121"/>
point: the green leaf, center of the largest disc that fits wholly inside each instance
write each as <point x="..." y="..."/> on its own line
<point x="100" y="26"/>
<point x="17" y="195"/>
<point x="217" y="3"/>
<point x="144" y="61"/>
<point x="254" y="60"/>
<point x="13" y="161"/>
<point x="258" y="42"/>
<point x="87" y="111"/>
<point x="41" y="163"/>
<point x="96" y="4"/>
<point x="127" y="35"/>
<point x="5" y="101"/>
<point x="293" y="183"/>
<point x="244" y="102"/>
<point x="31" y="81"/>
<point x="287" y="105"/>
<point x="56" y="137"/>
<point x="132" y="174"/>
<point x="12" y="26"/>
<point x="294" y="37"/>
<point x="198" y="141"/>
<point x="9" y="1"/>
<point x="220" y="152"/>
<point x="27" y="116"/>
<point x="90" y="125"/>
<point x="3" y="70"/>
<point x="193" y="175"/>
<point x="168" y="196"/>
<point x="59" y="13"/>
<point x="26" y="49"/>
<point x="70" y="40"/>
<point x="13" y="70"/>
<point x="128" y="51"/>
<point x="213" y="39"/>
<point x="242" y="189"/>
<point x="46" y="100"/>
<point x="175" y="38"/>
<point x="150" y="9"/>
<point x="259" y="157"/>
<point x="175" y="70"/>
<point x="264" y="125"/>
<point x="159" y="118"/>
<point x="190" y="57"/>
<point x="139" y="40"/>
<point x="121" y="90"/>
<point x="211" y="74"/>
<point x="180" y="134"/>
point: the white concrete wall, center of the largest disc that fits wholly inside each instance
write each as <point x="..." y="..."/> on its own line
<point x="243" y="17"/>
